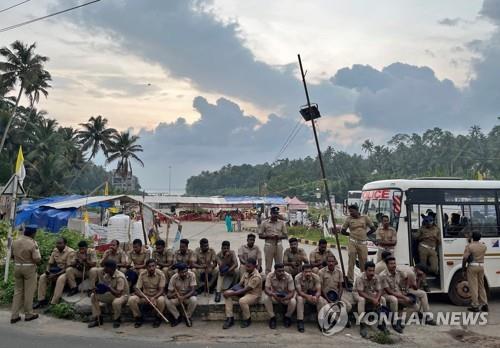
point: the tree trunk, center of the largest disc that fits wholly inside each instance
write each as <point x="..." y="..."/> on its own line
<point x="9" y="123"/>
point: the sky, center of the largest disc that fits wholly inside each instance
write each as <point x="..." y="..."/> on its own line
<point x="205" y="83"/>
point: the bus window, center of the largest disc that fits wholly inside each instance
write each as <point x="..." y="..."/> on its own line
<point x="376" y="203"/>
<point x="416" y="212"/>
<point x="465" y="219"/>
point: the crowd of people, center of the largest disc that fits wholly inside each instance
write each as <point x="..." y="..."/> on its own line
<point x="169" y="281"/>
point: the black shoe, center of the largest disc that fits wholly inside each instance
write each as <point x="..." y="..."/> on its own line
<point x="383" y="328"/>
<point x="426" y="288"/>
<point x="174" y="322"/>
<point x="73" y="292"/>
<point x="363" y="330"/>
<point x="157" y="323"/>
<point x="272" y="323"/>
<point x="138" y="322"/>
<point x="397" y="327"/>
<point x="32" y="317"/>
<point x="430" y="322"/>
<point x="189" y="322"/>
<point x="228" y="323"/>
<point x="41" y="303"/>
<point x="484" y="308"/>
<point x="349" y="286"/>
<point x="473" y="309"/>
<point x="15" y="320"/>
<point x="217" y="297"/>
<point x="96" y="322"/>
<point x="287" y="321"/>
<point x="300" y="325"/>
<point x="200" y="291"/>
<point x="246" y="323"/>
<point x="117" y="323"/>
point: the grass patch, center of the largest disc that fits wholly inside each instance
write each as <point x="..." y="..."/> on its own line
<point x="314" y="234"/>
<point x="63" y="311"/>
<point x="382" y="338"/>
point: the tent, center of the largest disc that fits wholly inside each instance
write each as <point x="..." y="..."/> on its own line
<point x="295" y="204"/>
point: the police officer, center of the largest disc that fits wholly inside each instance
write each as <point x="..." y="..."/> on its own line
<point x="308" y="286"/>
<point x="319" y="256"/>
<point x="116" y="254"/>
<point x="82" y="261"/>
<point x="473" y="263"/>
<point x="58" y="262"/>
<point x="273" y="231"/>
<point x="228" y="263"/>
<point x="294" y="257"/>
<point x="26" y="256"/>
<point x="112" y="288"/>
<point x="429" y="238"/>
<point x="280" y="288"/>
<point x="138" y="257"/>
<point x="151" y="283"/>
<point x="164" y="258"/>
<point x="249" y="251"/>
<point x="182" y="289"/>
<point x="332" y="280"/>
<point x="205" y="266"/>
<point x="386" y="237"/>
<point x="358" y="225"/>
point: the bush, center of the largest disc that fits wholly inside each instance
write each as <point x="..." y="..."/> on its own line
<point x="7" y="289"/>
<point x="382" y="338"/>
<point x="63" y="311"/>
<point x="4" y="231"/>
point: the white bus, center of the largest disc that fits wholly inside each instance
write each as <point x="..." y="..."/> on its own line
<point x="353" y="197"/>
<point x="460" y="207"/>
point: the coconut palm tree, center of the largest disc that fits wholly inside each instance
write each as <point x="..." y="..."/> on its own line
<point x="22" y="66"/>
<point x="39" y="86"/>
<point x="96" y="136"/>
<point x="124" y="150"/>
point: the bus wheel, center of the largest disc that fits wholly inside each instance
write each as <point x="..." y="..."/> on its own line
<point x="459" y="292"/>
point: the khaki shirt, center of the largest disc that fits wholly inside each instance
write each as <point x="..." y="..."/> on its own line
<point x="315" y="256"/>
<point x="245" y="253"/>
<point x="187" y="258"/>
<point x="183" y="286"/>
<point x="151" y="284"/>
<point x="61" y="259"/>
<point x="430" y="236"/>
<point x="166" y="257"/>
<point x="298" y="258"/>
<point x="229" y="260"/>
<point x="205" y="259"/>
<point x="91" y="258"/>
<point x="303" y="285"/>
<point x="477" y="250"/>
<point x="138" y="258"/>
<point x="253" y="281"/>
<point x="371" y="287"/>
<point x="25" y="250"/>
<point x="331" y="280"/>
<point x="380" y="267"/>
<point x="120" y="257"/>
<point x="358" y="227"/>
<point x="285" y="284"/>
<point x="269" y="228"/>
<point x="395" y="282"/>
<point x="386" y="235"/>
<point x="117" y="281"/>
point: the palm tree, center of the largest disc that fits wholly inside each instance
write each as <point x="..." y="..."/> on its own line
<point x="39" y="85"/>
<point x="22" y="66"/>
<point x="124" y="150"/>
<point x="96" y="136"/>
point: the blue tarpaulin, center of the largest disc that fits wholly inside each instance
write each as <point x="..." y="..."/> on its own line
<point x="271" y="200"/>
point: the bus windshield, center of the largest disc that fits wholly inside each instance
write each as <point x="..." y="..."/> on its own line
<point x="377" y="203"/>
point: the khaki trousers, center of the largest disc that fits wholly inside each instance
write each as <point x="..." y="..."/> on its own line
<point x="43" y="284"/>
<point x="429" y="257"/>
<point x="356" y="250"/>
<point x="190" y="305"/>
<point x="220" y="280"/>
<point x="24" y="289"/>
<point x="273" y="251"/>
<point x="201" y="282"/>
<point x="93" y="275"/>
<point x="300" y="306"/>
<point x="475" y="278"/>
<point x="422" y="300"/>
<point x="290" y="306"/>
<point x="244" y="302"/>
<point x="108" y="298"/>
<point x="134" y="301"/>
<point x="362" y="302"/>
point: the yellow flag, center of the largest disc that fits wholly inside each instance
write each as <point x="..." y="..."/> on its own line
<point x="20" y="170"/>
<point x="480" y="176"/>
<point x="86" y="216"/>
<point x="106" y="189"/>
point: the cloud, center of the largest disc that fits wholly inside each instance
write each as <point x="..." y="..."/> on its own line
<point x="491" y="10"/>
<point x="450" y="22"/>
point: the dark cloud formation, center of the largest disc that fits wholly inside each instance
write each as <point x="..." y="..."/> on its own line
<point x="450" y="22"/>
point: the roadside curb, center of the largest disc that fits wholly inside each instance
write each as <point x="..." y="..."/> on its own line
<point x="311" y="242"/>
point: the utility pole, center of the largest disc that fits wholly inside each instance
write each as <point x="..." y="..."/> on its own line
<point x="309" y="113"/>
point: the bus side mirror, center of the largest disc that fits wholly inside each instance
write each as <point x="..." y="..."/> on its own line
<point x="344" y="207"/>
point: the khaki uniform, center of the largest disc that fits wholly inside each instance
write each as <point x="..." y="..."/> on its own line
<point x="380" y="266"/>
<point x="273" y="249"/>
<point x="166" y="260"/>
<point x="298" y="259"/>
<point x="245" y="253"/>
<point x="395" y="282"/>
<point x="429" y="238"/>
<point x="230" y="261"/>
<point x="186" y="258"/>
<point x="422" y="300"/>
<point x="149" y="285"/>
<point x="62" y="260"/>
<point x="286" y="284"/>
<point x="74" y="270"/>
<point x="475" y="273"/>
<point x="316" y="256"/>
<point x="385" y="235"/>
<point x="26" y="255"/>
<point x="307" y="285"/>
<point x="120" y="257"/>
<point x="249" y="280"/>
<point x="183" y="286"/>
<point x="138" y="259"/>
<point x="332" y="280"/>
<point x="357" y="242"/>
<point x="118" y="282"/>
<point x="208" y="258"/>
<point x="372" y="287"/>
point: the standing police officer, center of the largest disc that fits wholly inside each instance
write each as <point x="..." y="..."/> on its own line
<point x="273" y="231"/>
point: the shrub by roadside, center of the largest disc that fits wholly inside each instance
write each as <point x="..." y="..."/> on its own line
<point x="313" y="234"/>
